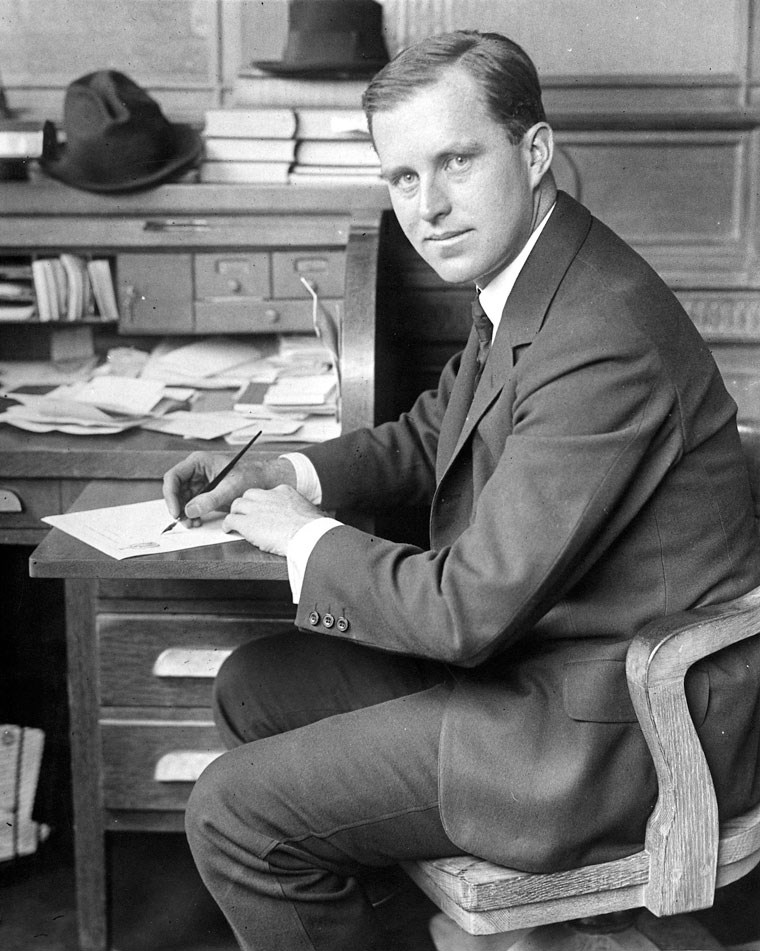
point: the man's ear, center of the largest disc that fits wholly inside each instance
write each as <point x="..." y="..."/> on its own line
<point x="539" y="140"/>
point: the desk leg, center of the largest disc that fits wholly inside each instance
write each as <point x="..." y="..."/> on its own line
<point x="89" y="828"/>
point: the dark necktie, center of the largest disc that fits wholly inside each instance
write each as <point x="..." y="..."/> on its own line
<point x="484" y="330"/>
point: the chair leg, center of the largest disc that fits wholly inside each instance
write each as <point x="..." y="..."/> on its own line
<point x="448" y="936"/>
<point x="645" y="933"/>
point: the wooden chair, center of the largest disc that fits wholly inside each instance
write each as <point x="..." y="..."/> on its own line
<point x="687" y="853"/>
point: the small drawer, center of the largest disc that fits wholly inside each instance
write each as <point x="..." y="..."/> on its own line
<point x="239" y="316"/>
<point x="23" y="502"/>
<point x="232" y="275"/>
<point x="170" y="661"/>
<point x="153" y="764"/>
<point x="324" y="270"/>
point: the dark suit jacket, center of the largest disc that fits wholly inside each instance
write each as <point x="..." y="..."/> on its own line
<point x="595" y="482"/>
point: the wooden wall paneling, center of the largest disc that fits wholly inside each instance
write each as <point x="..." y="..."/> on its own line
<point x="679" y="197"/>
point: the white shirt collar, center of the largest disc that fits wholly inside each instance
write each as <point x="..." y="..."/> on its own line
<point x="494" y="295"/>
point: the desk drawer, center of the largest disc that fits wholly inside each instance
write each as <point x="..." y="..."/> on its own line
<point x="251" y="316"/>
<point x="152" y="764"/>
<point x="23" y="502"/>
<point x="159" y="660"/>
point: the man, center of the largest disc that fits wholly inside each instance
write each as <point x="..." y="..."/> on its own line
<point x="584" y="475"/>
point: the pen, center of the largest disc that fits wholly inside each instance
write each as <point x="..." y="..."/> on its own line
<point x="218" y="478"/>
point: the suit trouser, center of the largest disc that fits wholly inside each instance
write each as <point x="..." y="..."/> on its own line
<point x="333" y="771"/>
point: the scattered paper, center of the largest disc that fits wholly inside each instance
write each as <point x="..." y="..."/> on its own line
<point x="117" y="394"/>
<point x="126" y="531"/>
<point x="192" y="425"/>
<point x="198" y="360"/>
<point x="312" y="429"/>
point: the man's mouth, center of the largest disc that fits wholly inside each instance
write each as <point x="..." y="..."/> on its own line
<point x="444" y="236"/>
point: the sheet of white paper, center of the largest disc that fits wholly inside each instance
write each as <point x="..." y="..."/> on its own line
<point x="72" y="429"/>
<point x="301" y="391"/>
<point x="198" y="425"/>
<point x="202" y="358"/>
<point x="313" y="429"/>
<point x="119" y="394"/>
<point x="125" y="531"/>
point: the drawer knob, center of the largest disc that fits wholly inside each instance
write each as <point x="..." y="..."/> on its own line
<point x="183" y="766"/>
<point x="271" y="315"/>
<point x="10" y="502"/>
<point x="189" y="662"/>
<point x="234" y="285"/>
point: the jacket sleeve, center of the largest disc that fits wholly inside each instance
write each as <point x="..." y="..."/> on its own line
<point x="390" y="465"/>
<point x="584" y="420"/>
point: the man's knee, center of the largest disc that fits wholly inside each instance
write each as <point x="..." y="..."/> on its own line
<point x="226" y="809"/>
<point x="241" y="694"/>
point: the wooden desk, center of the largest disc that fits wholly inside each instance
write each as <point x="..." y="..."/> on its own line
<point x="145" y="637"/>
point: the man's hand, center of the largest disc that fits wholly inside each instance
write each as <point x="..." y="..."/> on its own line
<point x="183" y="483"/>
<point x="269" y="518"/>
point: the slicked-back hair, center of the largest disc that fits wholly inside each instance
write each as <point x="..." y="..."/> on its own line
<point x="502" y="69"/>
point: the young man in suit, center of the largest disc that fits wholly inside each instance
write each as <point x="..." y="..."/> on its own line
<point x="584" y="476"/>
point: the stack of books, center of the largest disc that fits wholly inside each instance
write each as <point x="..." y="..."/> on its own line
<point x="16" y="290"/>
<point x="290" y="129"/>
<point x="23" y="141"/>
<point x="248" y="145"/>
<point x="72" y="288"/>
<point x="333" y="147"/>
<point x="274" y="145"/>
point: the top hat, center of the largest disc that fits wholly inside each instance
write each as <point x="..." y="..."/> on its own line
<point x="117" y="138"/>
<point x="331" y="36"/>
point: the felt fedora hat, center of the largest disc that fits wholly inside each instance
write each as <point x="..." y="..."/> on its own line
<point x="328" y="37"/>
<point x="117" y="138"/>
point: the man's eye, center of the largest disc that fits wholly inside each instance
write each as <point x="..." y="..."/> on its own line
<point x="405" y="180"/>
<point x="458" y="162"/>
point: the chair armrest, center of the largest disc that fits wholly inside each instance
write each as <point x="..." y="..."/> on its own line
<point x="682" y="832"/>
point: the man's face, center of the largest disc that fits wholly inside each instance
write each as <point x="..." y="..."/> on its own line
<point x="462" y="192"/>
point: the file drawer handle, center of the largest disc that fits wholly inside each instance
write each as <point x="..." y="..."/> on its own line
<point x="169" y="225"/>
<point x="183" y="766"/>
<point x="189" y="662"/>
<point x="10" y="502"/>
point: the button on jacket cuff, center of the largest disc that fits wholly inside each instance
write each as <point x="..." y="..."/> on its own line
<point x="300" y="548"/>
<point x="307" y="480"/>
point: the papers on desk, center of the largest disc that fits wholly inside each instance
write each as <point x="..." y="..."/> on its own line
<point x="101" y="406"/>
<point x="288" y="381"/>
<point x="126" y="531"/>
<point x="215" y="362"/>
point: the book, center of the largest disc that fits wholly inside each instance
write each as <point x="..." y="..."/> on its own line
<point x="337" y="177"/>
<point x="10" y="310"/>
<point x="251" y="398"/>
<point x="60" y="287"/>
<point x="78" y="286"/>
<point x="332" y="170"/>
<point x="254" y="87"/>
<point x="249" y="150"/>
<point x="45" y="292"/>
<point x="263" y="173"/>
<point x="25" y="138"/>
<point x="316" y="123"/>
<point x="256" y="123"/>
<point x="99" y="271"/>
<point x="336" y="152"/>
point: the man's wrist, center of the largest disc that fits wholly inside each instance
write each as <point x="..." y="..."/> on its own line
<point x="307" y="481"/>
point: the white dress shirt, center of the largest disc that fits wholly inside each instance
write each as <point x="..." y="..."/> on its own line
<point x="493" y="299"/>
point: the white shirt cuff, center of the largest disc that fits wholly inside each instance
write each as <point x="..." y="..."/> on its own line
<point x="307" y="480"/>
<point x="300" y="548"/>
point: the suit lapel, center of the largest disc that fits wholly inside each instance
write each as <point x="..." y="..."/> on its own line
<point x="523" y="316"/>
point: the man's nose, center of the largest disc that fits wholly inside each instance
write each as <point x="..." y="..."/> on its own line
<point x="434" y="199"/>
